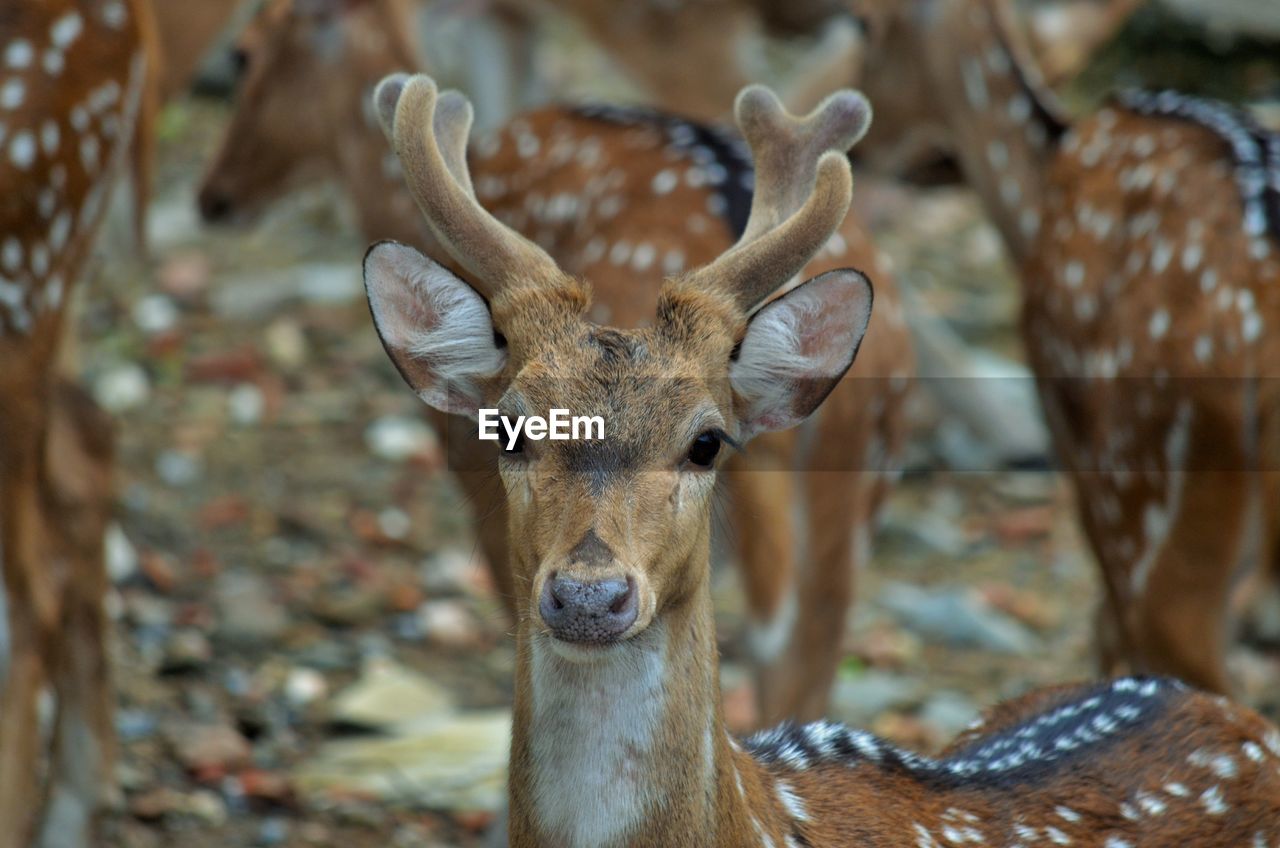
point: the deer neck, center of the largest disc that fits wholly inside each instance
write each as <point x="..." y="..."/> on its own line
<point x="1004" y="120"/>
<point x="627" y="750"/>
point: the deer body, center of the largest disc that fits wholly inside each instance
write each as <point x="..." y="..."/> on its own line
<point x="73" y="83"/>
<point x="618" y="734"/>
<point x="622" y="197"/>
<point x="1146" y="239"/>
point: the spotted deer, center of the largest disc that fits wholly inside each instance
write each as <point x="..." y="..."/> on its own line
<point x="622" y="197"/>
<point x="1145" y="235"/>
<point x="73" y="86"/>
<point x="910" y="135"/>
<point x="618" y="735"/>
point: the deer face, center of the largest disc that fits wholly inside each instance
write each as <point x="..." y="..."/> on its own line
<point x="610" y="533"/>
<point x="614" y="530"/>
<point x="306" y="67"/>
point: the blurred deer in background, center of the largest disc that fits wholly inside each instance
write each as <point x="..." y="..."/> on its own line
<point x="184" y="33"/>
<point x="618" y="735"/>
<point x="910" y="135"/>
<point x="74" y="89"/>
<point x="1146" y="236"/>
<point x="624" y="197"/>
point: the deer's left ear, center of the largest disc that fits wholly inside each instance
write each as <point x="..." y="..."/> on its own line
<point x="797" y="348"/>
<point x="436" y="328"/>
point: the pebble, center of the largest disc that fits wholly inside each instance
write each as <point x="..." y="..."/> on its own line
<point x="926" y="533"/>
<point x="121" y="555"/>
<point x="449" y="623"/>
<point x="261" y="293"/>
<point x="155" y="314"/>
<point x="186" y="651"/>
<point x="245" y="404"/>
<point x="388" y="694"/>
<point x="346" y="606"/>
<point x="247" y="612"/>
<point x="121" y="388"/>
<point x="956" y="617"/>
<point x="304" y="686"/>
<point x="207" y="806"/>
<point x="454" y="571"/>
<point x="133" y="724"/>
<point x="209" y="748"/>
<point x="286" y="343"/>
<point x="394" y="523"/>
<point x="397" y="438"/>
<point x="273" y="831"/>
<point x="456" y="763"/>
<point x="859" y="699"/>
<point x="950" y="712"/>
<point x="177" y="468"/>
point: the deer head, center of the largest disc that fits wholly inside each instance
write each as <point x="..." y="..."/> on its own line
<point x="306" y="66"/>
<point x="614" y="532"/>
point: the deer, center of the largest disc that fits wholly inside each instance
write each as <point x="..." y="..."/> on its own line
<point x="65" y="134"/>
<point x="622" y="196"/>
<point x="184" y="32"/>
<point x="1146" y="236"/>
<point x="618" y="734"/>
<point x="910" y="137"/>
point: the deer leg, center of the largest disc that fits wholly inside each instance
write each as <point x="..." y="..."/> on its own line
<point x="474" y="465"/>
<point x="84" y="739"/>
<point x="19" y="737"/>
<point x="78" y="495"/>
<point x="1181" y="616"/>
<point x="764" y="524"/>
<point x="1113" y="624"/>
<point x="32" y="611"/>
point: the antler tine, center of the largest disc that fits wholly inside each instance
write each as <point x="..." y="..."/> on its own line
<point x="385" y="97"/>
<point x="429" y="132"/>
<point x="803" y="190"/>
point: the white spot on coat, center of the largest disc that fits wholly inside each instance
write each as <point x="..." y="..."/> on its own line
<point x="18" y="54"/>
<point x="50" y="137"/>
<point x="22" y="149"/>
<point x="66" y="29"/>
<point x="12" y="93"/>
<point x="664" y="181"/>
<point x="1159" y="323"/>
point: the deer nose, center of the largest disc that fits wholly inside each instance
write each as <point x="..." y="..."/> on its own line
<point x="214" y="206"/>
<point x="595" y="612"/>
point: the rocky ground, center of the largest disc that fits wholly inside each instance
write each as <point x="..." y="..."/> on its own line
<point x="307" y="650"/>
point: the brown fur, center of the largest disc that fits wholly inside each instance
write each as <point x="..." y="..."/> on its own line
<point x="1177" y="511"/>
<point x="55" y="461"/>
<point x="842" y="481"/>
<point x="1133" y="762"/>
<point x="185" y="32"/>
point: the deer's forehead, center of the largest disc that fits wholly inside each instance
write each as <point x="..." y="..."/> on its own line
<point x="614" y="371"/>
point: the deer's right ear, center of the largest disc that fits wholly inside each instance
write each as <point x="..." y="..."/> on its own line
<point x="436" y="328"/>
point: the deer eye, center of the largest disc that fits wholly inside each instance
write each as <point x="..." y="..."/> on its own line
<point x="703" y="451"/>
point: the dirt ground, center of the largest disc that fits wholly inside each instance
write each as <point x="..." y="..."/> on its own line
<point x="286" y="527"/>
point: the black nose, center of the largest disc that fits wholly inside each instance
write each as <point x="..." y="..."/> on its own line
<point x="214" y="206"/>
<point x="595" y="612"/>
